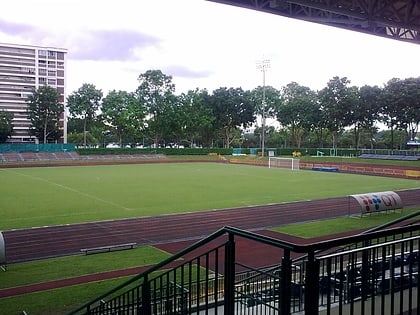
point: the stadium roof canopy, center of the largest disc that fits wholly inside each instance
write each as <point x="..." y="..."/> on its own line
<point x="396" y="19"/>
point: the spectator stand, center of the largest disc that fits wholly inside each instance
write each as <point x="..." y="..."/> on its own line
<point x="404" y="155"/>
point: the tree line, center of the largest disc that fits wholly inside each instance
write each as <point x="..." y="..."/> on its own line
<point x="339" y="115"/>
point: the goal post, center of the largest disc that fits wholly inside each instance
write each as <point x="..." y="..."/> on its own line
<point x="282" y="162"/>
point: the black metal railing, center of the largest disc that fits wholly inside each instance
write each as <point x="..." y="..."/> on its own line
<point x="372" y="273"/>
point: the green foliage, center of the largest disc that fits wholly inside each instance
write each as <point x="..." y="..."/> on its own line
<point x="232" y="108"/>
<point x="272" y="100"/>
<point x="195" y="118"/>
<point x="391" y="139"/>
<point x="296" y="111"/>
<point x="165" y="151"/>
<point x="6" y="125"/>
<point x="44" y="111"/>
<point x="73" y="266"/>
<point x="156" y="93"/>
<point x="367" y="113"/>
<point x="218" y="119"/>
<point x="401" y="105"/>
<point x="339" y="225"/>
<point x="337" y="103"/>
<point x="83" y="104"/>
<point x="82" y="139"/>
<point x="123" y="114"/>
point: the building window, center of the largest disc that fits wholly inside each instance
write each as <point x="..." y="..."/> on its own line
<point x="51" y="82"/>
<point x="42" y="81"/>
<point x="42" y="72"/>
<point x="28" y="79"/>
<point x="27" y="70"/>
<point x="51" y="73"/>
<point x="42" y="53"/>
<point x="60" y="55"/>
<point x="51" y="54"/>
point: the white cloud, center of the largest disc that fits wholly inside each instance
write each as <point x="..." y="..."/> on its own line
<point x="200" y="43"/>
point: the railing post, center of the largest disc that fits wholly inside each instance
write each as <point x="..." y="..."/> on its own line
<point x="146" y="303"/>
<point x="229" y="286"/>
<point x="311" y="285"/>
<point x="285" y="283"/>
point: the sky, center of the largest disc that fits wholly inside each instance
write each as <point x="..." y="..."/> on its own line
<point x="200" y="44"/>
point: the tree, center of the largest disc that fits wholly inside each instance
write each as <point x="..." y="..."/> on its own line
<point x="6" y="125"/>
<point x="403" y="104"/>
<point x="368" y="111"/>
<point x="271" y="96"/>
<point x="84" y="104"/>
<point x="390" y="107"/>
<point x="79" y="139"/>
<point x="156" y="93"/>
<point x="298" y="102"/>
<point x="232" y="108"/>
<point x="123" y="112"/>
<point x="197" y="117"/>
<point x="44" y="111"/>
<point x="411" y="106"/>
<point x="337" y="102"/>
<point x="392" y="139"/>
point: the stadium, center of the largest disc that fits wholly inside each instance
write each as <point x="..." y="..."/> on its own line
<point x="224" y="231"/>
<point x="245" y="195"/>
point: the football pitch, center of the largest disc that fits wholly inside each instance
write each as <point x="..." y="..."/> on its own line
<point x="41" y="196"/>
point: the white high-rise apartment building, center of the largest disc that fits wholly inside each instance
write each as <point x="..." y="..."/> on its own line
<point x="23" y="68"/>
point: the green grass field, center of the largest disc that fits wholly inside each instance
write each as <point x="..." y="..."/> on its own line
<point x="59" y="195"/>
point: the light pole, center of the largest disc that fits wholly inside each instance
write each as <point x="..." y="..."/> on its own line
<point x="263" y="65"/>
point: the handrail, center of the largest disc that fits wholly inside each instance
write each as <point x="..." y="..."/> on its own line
<point x="299" y="248"/>
<point x="156" y="267"/>
<point x="381" y="227"/>
<point x="312" y="247"/>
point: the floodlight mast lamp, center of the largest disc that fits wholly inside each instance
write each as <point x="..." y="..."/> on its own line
<point x="263" y="66"/>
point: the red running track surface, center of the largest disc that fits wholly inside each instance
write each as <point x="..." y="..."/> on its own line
<point x="44" y="242"/>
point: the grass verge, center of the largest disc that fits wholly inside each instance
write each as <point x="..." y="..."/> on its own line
<point x="57" y="301"/>
<point x="339" y="225"/>
<point x="73" y="266"/>
<point x="62" y="300"/>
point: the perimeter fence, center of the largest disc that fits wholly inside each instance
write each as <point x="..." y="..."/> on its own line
<point x="33" y="147"/>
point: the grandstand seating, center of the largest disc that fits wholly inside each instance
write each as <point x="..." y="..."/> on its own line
<point x="44" y="156"/>
<point x="38" y="156"/>
<point x="390" y="157"/>
<point x="66" y="156"/>
<point x="11" y="157"/>
<point x="29" y="156"/>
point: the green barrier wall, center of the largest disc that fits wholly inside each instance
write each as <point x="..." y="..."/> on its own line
<point x="32" y="147"/>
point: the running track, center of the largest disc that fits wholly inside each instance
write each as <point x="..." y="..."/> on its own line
<point x="44" y="242"/>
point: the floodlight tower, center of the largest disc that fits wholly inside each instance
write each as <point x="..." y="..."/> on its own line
<point x="263" y="66"/>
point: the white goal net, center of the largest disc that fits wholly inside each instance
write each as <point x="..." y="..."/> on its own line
<point x="280" y="162"/>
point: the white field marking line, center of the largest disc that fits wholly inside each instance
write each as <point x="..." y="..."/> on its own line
<point x="72" y="190"/>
